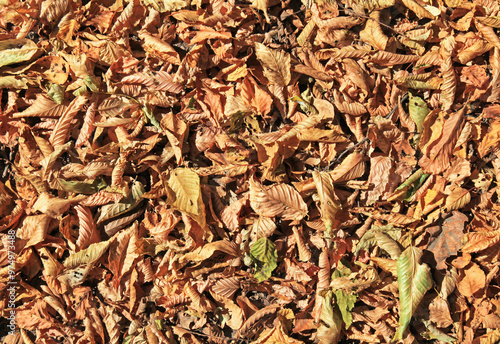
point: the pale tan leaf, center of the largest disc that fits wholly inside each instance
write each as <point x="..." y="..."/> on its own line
<point x="43" y="107"/>
<point x="262" y="227"/>
<point x="34" y="229"/>
<point x="449" y="85"/>
<point x="488" y="34"/>
<point x="165" y="5"/>
<point x="276" y="200"/>
<point x="227" y="287"/>
<point x="372" y="5"/>
<point x="307" y="123"/>
<point x="420" y="11"/>
<point x="330" y="204"/>
<point x="457" y="198"/>
<point x="52" y="10"/>
<point x="262" y="5"/>
<point x="351" y="167"/>
<point x="114" y="106"/>
<point x="54" y="206"/>
<point x="306" y="33"/>
<point x="60" y="133"/>
<point x="324" y="272"/>
<point x="206" y="251"/>
<point x="380" y="175"/>
<point x="276" y="64"/>
<point x="88" y="125"/>
<point x="304" y="252"/>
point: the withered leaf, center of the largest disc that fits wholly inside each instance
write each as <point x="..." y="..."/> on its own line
<point x="447" y="243"/>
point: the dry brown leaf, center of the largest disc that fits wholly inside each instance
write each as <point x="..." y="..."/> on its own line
<point x="277" y="200"/>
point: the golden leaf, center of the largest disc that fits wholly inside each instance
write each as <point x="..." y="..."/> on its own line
<point x="420" y="11"/>
<point x="184" y="193"/>
<point x="372" y="5"/>
<point x="165" y="5"/>
<point x="372" y="33"/>
<point x="157" y="47"/>
<point x="262" y="5"/>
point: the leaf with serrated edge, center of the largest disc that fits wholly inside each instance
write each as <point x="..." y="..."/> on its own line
<point x="184" y="193"/>
<point x="17" y="50"/>
<point x="277" y="200"/>
<point x="112" y="210"/>
<point x="330" y="204"/>
<point x="264" y="251"/>
<point x="276" y="64"/>
<point x="414" y="280"/>
<point x="88" y="256"/>
<point x="352" y="167"/>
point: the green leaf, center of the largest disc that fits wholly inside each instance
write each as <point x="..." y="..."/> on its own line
<point x="263" y="251"/>
<point x="17" y="50"/>
<point x="414" y="280"/>
<point x="345" y="302"/>
<point x="406" y="190"/>
<point x="384" y="237"/>
<point x="151" y="116"/>
<point x="92" y="83"/>
<point x="434" y="333"/>
<point x="418" y="110"/>
<point x="56" y="93"/>
<point x="75" y="186"/>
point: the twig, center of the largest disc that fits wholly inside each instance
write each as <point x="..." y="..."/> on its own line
<point x="396" y="107"/>
<point x="341" y="155"/>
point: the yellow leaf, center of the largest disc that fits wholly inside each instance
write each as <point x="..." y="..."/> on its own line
<point x="165" y="5"/>
<point x="184" y="193"/>
<point x="88" y="256"/>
